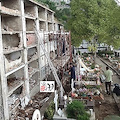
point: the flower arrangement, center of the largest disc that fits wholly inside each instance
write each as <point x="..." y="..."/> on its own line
<point x="84" y="92"/>
<point x="96" y="70"/>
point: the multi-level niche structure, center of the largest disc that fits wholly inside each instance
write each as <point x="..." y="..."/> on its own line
<point x="22" y="61"/>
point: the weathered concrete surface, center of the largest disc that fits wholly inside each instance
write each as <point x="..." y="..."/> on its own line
<point x="31" y="39"/>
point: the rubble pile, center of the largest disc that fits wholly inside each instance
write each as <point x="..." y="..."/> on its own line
<point x="35" y="103"/>
<point x="13" y="82"/>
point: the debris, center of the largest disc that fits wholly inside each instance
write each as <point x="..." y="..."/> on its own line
<point x="25" y="112"/>
<point x="26" y="100"/>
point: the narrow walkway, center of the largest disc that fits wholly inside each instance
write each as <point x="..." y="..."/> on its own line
<point x="108" y="105"/>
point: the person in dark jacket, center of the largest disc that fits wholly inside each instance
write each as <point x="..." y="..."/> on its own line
<point x="116" y="89"/>
<point x="72" y="73"/>
<point x="72" y="70"/>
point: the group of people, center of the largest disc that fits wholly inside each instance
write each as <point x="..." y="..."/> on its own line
<point x="108" y="75"/>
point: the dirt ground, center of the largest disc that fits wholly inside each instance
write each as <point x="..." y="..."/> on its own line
<point x="107" y="107"/>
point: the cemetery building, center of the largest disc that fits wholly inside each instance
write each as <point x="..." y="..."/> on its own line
<point x="30" y="39"/>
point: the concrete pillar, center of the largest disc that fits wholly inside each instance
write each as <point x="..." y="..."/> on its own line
<point x="41" y="55"/>
<point x="1" y="102"/>
<point x="25" y="50"/>
<point x="37" y="28"/>
<point x="52" y="21"/>
<point x="37" y="20"/>
<point x="3" y="79"/>
<point x="46" y="20"/>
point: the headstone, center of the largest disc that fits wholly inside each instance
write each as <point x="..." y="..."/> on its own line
<point x="26" y="118"/>
<point x="36" y="115"/>
<point x="60" y="112"/>
<point x="91" y="112"/>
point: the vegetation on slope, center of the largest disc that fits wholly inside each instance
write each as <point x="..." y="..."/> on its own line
<point x="62" y="15"/>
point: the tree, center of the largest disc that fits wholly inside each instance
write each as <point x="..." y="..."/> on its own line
<point x="62" y="15"/>
<point x="91" y="19"/>
<point x="49" y="3"/>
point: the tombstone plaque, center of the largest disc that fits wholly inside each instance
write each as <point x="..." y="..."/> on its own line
<point x="36" y="115"/>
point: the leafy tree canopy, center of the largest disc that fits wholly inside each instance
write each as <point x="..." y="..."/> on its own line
<point x="95" y="19"/>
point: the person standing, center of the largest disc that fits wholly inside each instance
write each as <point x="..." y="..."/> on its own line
<point x="72" y="73"/>
<point x="108" y="74"/>
<point x="72" y="70"/>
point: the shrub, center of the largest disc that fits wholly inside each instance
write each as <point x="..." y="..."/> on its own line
<point x="77" y="111"/>
<point x="104" y="52"/>
<point x="50" y="111"/>
<point x="93" y="66"/>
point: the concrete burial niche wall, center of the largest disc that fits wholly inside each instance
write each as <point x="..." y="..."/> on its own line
<point x="50" y="27"/>
<point x="33" y="64"/>
<point x="30" y="25"/>
<point x="30" y="9"/>
<point x="19" y="75"/>
<point x="32" y="52"/>
<point x="31" y="39"/>
<point x="42" y="25"/>
<point x="13" y="60"/>
<point x="14" y="80"/>
<point x="11" y="41"/>
<point x="41" y="13"/>
<point x="13" y="56"/>
<point x="11" y="23"/>
<point x="49" y="16"/>
<point x="12" y="4"/>
<point x="33" y="80"/>
<point x="14" y="99"/>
